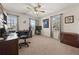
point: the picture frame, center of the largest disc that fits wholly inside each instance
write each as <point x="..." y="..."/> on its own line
<point x="46" y="23"/>
<point x="69" y="19"/>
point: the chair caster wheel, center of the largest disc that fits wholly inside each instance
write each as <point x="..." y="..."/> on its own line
<point x="27" y="45"/>
<point x="29" y="42"/>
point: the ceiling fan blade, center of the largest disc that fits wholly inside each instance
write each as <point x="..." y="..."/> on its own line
<point x="29" y="6"/>
<point x="38" y="5"/>
<point x="42" y="11"/>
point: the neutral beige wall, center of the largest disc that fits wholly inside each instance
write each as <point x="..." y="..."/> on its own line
<point x="22" y="25"/>
<point x="74" y="27"/>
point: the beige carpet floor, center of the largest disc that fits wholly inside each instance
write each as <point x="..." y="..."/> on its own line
<point x="41" y="45"/>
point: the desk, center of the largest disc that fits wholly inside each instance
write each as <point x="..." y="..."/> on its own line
<point x="9" y="46"/>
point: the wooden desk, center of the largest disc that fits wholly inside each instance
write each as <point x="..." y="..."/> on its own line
<point x="9" y="46"/>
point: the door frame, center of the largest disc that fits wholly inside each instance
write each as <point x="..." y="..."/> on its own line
<point x="51" y="32"/>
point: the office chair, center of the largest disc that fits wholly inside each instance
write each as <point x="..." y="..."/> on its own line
<point x="23" y="35"/>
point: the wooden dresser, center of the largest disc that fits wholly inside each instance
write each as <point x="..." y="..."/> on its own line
<point x="70" y="38"/>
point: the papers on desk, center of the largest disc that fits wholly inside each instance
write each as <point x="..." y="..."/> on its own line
<point x="12" y="36"/>
<point x="1" y="38"/>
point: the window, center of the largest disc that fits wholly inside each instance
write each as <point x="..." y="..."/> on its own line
<point x="12" y="22"/>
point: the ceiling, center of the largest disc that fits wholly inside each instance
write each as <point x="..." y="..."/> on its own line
<point x="47" y="7"/>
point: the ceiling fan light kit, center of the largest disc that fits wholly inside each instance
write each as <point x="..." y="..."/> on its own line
<point x="36" y="9"/>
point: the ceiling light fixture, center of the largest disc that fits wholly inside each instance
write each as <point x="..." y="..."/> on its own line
<point x="36" y="9"/>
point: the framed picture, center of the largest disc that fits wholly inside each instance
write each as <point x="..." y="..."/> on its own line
<point x="46" y="23"/>
<point x="69" y="19"/>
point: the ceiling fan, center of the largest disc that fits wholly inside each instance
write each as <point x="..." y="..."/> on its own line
<point x="36" y="8"/>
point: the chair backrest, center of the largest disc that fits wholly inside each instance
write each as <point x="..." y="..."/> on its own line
<point x="22" y="34"/>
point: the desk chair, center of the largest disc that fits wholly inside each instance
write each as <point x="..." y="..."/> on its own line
<point x="23" y="35"/>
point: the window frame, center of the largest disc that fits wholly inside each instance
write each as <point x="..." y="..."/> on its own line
<point x="12" y="22"/>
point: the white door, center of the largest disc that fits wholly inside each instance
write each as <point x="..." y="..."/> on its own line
<point x="56" y="27"/>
